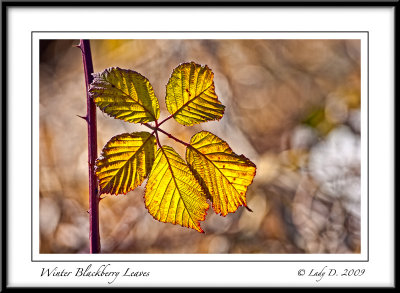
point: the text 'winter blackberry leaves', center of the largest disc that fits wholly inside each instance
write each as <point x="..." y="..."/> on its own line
<point x="224" y="174"/>
<point x="191" y="96"/>
<point x="173" y="194"/>
<point x="125" y="161"/>
<point x="125" y="94"/>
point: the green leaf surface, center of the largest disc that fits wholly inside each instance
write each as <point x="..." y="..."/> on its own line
<point x="125" y="94"/>
<point x="224" y="175"/>
<point x="191" y="96"/>
<point x="125" y="161"/>
<point x="173" y="195"/>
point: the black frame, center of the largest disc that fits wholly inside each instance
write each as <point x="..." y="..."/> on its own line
<point x="76" y="3"/>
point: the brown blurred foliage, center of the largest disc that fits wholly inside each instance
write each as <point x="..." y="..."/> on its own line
<point x="292" y="107"/>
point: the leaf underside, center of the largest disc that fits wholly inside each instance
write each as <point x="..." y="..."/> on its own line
<point x="224" y="175"/>
<point x="191" y="96"/>
<point x="125" y="94"/>
<point x="126" y="160"/>
<point x="173" y="194"/>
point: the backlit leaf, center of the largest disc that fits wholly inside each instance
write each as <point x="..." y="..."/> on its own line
<point x="126" y="160"/>
<point x="125" y="94"/>
<point x="224" y="175"/>
<point x="173" y="195"/>
<point x="191" y="96"/>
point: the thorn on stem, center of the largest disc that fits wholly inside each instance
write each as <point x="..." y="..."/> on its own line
<point x="79" y="45"/>
<point x="83" y="117"/>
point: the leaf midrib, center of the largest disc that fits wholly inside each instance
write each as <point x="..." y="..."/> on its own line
<point x="130" y="158"/>
<point x="215" y="167"/>
<point x="180" y="194"/>
<point x="191" y="100"/>
<point x="129" y="96"/>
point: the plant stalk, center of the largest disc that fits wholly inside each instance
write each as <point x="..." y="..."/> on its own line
<point x="166" y="119"/>
<point x="94" y="233"/>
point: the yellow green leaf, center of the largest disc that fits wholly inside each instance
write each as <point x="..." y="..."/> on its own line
<point x="173" y="195"/>
<point x="125" y="94"/>
<point x="191" y="96"/>
<point x="224" y="175"/>
<point x="125" y="161"/>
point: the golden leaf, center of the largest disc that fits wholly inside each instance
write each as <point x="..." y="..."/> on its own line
<point x="224" y="175"/>
<point x="173" y="195"/>
<point x="125" y="161"/>
<point x="191" y="96"/>
<point x="125" y="94"/>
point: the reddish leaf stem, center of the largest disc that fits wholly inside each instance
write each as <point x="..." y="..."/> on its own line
<point x="94" y="233"/>
<point x="166" y="119"/>
<point x="173" y="137"/>
<point x="156" y="129"/>
<point x="158" y="141"/>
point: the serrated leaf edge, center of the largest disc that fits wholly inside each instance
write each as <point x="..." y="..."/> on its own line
<point x="101" y="157"/>
<point x="187" y="103"/>
<point x="109" y="69"/>
<point x="205" y="211"/>
<point x="201" y="180"/>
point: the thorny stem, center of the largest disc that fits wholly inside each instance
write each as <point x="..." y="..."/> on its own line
<point x="94" y="233"/>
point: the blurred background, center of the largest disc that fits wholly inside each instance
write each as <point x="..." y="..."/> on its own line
<point x="292" y="107"/>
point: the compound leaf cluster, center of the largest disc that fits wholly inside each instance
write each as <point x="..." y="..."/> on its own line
<point x="177" y="190"/>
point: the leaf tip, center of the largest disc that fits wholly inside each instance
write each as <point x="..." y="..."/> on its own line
<point x="249" y="209"/>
